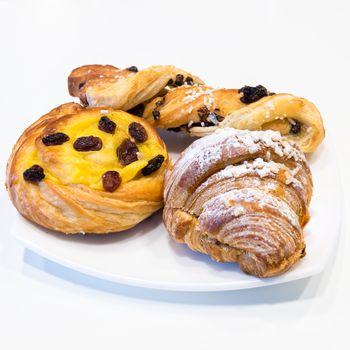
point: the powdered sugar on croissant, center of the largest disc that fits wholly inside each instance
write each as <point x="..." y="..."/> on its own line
<point x="243" y="197"/>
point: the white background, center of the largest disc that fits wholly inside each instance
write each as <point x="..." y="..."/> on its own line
<point x="300" y="47"/>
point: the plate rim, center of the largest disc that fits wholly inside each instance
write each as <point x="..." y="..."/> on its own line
<point x="175" y="286"/>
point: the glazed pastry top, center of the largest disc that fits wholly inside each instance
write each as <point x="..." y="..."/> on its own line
<point x="87" y="170"/>
<point x="65" y="161"/>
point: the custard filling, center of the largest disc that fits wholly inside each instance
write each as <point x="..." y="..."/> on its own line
<point x="64" y="164"/>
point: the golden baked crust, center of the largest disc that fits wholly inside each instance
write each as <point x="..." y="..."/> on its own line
<point x="278" y="112"/>
<point x="93" y="75"/>
<point x="180" y="106"/>
<point x="240" y="196"/>
<point x="72" y="198"/>
<point x="121" y="88"/>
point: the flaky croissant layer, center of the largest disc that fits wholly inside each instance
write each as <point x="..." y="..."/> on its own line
<point x="243" y="197"/>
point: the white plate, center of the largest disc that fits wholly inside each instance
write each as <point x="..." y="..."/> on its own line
<point x="145" y="256"/>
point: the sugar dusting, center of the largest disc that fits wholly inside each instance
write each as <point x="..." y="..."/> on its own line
<point x="201" y="155"/>
<point x="258" y="167"/>
<point x="207" y="150"/>
<point x="232" y="203"/>
<point x="195" y="93"/>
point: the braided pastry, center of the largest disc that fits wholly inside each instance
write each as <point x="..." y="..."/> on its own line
<point x="173" y="99"/>
<point x="87" y="170"/>
<point x="108" y="86"/>
<point x="241" y="196"/>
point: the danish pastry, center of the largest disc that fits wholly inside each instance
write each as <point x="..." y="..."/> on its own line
<point x="173" y="99"/>
<point x="241" y="196"/>
<point x="80" y="170"/>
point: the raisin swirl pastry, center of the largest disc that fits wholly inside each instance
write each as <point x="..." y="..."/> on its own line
<point x="87" y="170"/>
<point x="200" y="110"/>
<point x="172" y="99"/>
<point x="241" y="196"/>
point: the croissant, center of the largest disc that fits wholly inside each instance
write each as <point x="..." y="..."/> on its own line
<point x="79" y="170"/>
<point x="241" y="196"/>
<point x="173" y="99"/>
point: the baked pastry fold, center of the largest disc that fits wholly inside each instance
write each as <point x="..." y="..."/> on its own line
<point x="108" y="86"/>
<point x="241" y="196"/>
<point x="171" y="98"/>
<point x="69" y="171"/>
